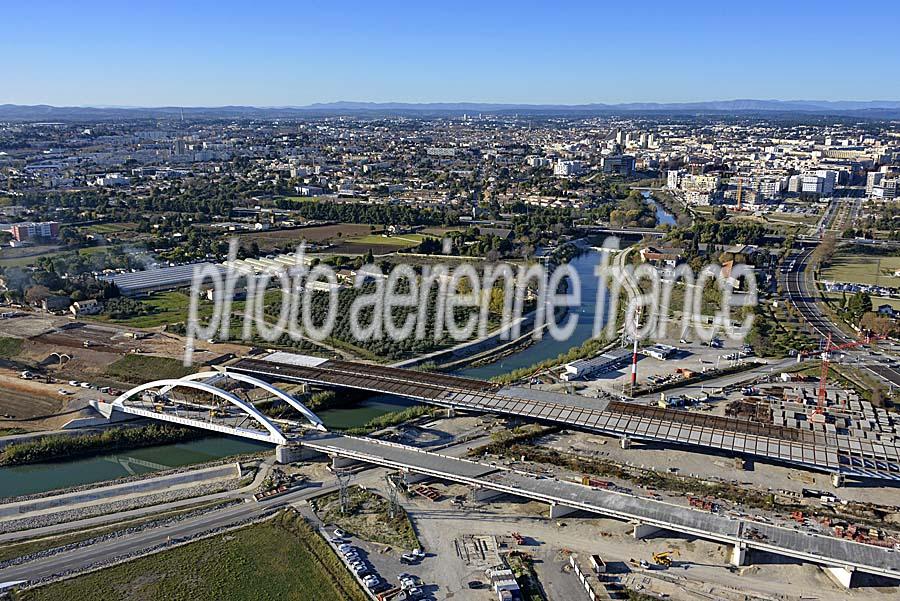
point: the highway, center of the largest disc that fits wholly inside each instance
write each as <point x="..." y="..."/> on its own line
<point x="83" y="558"/>
<point x="800" y="291"/>
<point x="797" y="290"/>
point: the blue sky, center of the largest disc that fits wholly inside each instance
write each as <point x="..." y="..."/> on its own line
<point x="275" y="53"/>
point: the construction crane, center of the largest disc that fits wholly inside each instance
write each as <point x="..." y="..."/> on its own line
<point x="664" y="558"/>
<point x="825" y="355"/>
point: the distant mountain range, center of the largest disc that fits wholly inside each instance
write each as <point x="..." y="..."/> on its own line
<point x="871" y="108"/>
<point x="715" y="105"/>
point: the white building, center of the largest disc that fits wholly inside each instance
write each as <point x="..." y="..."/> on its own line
<point x="568" y="168"/>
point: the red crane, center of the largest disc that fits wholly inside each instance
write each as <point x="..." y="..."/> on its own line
<point x="826" y="359"/>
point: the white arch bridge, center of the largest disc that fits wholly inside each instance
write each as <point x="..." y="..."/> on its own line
<point x="204" y="400"/>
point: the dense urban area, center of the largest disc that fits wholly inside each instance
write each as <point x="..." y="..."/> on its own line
<point x="428" y="467"/>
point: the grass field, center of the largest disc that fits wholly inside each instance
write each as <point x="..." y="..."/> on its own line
<point x="10" y="347"/>
<point x="863" y="269"/>
<point x="144" y="368"/>
<point x="368" y="519"/>
<point x="279" y="560"/>
<point x="168" y="307"/>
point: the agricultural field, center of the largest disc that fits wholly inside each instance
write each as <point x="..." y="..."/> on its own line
<point x="24" y="257"/>
<point x="863" y="269"/>
<point x="27" y="255"/>
<point x="378" y="244"/>
<point x="108" y="228"/>
<point x="282" y="559"/>
<point x="271" y="240"/>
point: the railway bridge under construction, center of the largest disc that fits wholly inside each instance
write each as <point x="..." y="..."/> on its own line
<point x="841" y="455"/>
<point x="228" y="413"/>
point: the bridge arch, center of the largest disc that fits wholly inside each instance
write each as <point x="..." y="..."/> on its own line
<point x="275" y="435"/>
<point x="239" y="377"/>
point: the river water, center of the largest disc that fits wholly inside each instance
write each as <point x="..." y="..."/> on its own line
<point x="42" y="477"/>
<point x="663" y="217"/>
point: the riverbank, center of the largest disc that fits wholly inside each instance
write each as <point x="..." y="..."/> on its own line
<point x="53" y="447"/>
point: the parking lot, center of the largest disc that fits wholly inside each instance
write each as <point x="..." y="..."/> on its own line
<point x="378" y="570"/>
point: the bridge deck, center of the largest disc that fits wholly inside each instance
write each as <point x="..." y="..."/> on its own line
<point x="790" y="445"/>
<point x="676" y="518"/>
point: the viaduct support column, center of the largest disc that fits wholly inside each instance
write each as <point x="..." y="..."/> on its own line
<point x="739" y="555"/>
<point x="642" y="531"/>
<point x="841" y="575"/>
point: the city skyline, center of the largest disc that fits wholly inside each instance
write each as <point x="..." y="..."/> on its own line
<point x="290" y="55"/>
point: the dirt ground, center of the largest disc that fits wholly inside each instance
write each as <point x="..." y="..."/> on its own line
<point x="54" y="348"/>
<point x="26" y="398"/>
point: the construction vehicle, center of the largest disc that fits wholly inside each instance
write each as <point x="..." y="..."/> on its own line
<point x="520" y="540"/>
<point x="664" y="558"/>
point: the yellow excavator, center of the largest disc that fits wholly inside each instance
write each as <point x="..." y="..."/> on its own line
<point x="665" y="557"/>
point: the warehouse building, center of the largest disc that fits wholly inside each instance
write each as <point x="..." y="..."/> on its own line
<point x="582" y="368"/>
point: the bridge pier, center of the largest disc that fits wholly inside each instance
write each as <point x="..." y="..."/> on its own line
<point x="841" y="575"/>
<point x="642" y="531"/>
<point x="625" y="442"/>
<point x="558" y="511"/>
<point x="739" y="555"/>
<point x="837" y="480"/>
<point x="292" y="453"/>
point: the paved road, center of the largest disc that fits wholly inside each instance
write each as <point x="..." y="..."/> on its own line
<point x="141" y="512"/>
<point x="799" y="289"/>
<point x="82" y="558"/>
<point x="796" y="285"/>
